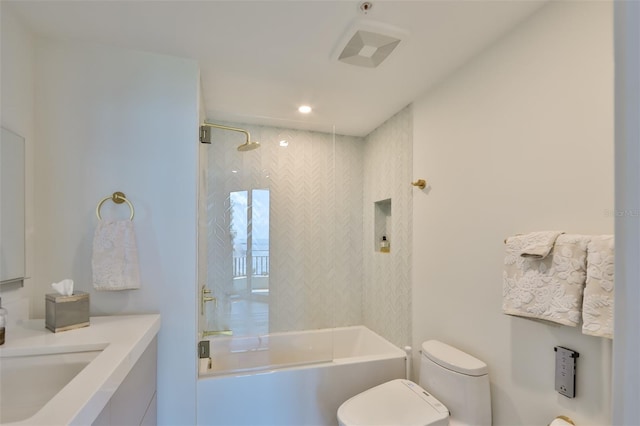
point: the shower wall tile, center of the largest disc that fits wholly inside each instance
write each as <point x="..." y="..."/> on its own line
<point x="348" y="244"/>
<point x="316" y="228"/>
<point x="387" y="276"/>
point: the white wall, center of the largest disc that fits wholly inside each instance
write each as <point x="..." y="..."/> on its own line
<point x="17" y="113"/>
<point x="118" y="120"/>
<point x="518" y="140"/>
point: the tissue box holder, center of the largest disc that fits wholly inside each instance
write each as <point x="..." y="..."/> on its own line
<point x="64" y="313"/>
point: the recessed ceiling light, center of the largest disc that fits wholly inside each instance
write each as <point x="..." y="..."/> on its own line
<point x="284" y="142"/>
<point x="305" y="109"/>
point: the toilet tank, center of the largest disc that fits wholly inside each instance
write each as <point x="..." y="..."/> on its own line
<point x="459" y="381"/>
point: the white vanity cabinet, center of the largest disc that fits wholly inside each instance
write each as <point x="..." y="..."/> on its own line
<point x="134" y="402"/>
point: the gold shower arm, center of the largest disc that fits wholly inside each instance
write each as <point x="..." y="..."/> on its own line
<point x="206" y="137"/>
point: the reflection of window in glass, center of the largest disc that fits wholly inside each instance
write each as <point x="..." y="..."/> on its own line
<point x="260" y="232"/>
<point x="249" y="314"/>
<point x="238" y="225"/>
<point x="250" y="239"/>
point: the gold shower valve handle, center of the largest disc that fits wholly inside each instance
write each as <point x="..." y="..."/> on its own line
<point x="420" y="183"/>
<point x="204" y="299"/>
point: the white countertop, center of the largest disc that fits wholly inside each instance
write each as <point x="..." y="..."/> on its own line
<point x="122" y="340"/>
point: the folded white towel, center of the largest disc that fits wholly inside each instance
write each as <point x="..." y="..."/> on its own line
<point x="550" y="288"/>
<point x="597" y="309"/>
<point x="115" y="256"/>
<point x="537" y="245"/>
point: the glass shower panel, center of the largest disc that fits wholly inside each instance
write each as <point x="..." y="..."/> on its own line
<point x="270" y="227"/>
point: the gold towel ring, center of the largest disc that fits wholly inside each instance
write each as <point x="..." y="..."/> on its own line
<point x="118" y="198"/>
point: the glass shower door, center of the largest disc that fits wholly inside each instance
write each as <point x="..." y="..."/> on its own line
<point x="268" y="259"/>
<point x="236" y="295"/>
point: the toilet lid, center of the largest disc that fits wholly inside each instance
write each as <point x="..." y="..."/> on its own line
<point x="398" y="402"/>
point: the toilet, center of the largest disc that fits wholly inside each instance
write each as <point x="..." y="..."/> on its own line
<point x="453" y="390"/>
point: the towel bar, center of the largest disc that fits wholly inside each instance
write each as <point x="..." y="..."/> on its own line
<point x="118" y="198"/>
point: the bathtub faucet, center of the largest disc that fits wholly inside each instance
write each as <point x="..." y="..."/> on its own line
<point x="206" y="333"/>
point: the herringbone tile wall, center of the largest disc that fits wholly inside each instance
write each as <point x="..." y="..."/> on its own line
<point x="324" y="269"/>
<point x="387" y="276"/>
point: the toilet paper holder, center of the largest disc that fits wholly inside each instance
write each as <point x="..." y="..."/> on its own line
<point x="562" y="421"/>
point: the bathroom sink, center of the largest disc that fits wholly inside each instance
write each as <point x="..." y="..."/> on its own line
<point x="28" y="382"/>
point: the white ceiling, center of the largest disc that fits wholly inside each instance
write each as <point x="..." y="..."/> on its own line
<point x="260" y="60"/>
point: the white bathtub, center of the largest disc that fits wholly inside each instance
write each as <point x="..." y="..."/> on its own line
<point x="296" y="378"/>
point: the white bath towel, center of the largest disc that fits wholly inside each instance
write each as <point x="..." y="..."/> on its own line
<point x="597" y="307"/>
<point x="550" y="288"/>
<point x="537" y="245"/>
<point x="115" y="256"/>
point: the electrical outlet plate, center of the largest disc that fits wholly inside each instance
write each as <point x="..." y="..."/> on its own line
<point x="566" y="371"/>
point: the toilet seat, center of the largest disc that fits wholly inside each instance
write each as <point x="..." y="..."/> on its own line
<point x="398" y="402"/>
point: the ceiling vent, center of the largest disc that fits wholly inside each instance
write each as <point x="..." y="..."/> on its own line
<point x="368" y="43"/>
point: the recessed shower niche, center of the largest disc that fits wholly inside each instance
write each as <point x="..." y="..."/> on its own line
<point x="382" y="225"/>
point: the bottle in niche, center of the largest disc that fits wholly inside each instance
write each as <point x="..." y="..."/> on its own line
<point x="384" y="245"/>
<point x="3" y="322"/>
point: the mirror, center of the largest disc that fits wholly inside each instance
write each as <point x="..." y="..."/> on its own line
<point x="12" y="202"/>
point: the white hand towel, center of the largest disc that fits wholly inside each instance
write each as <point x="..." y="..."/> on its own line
<point x="550" y="288"/>
<point x="115" y="256"/>
<point x="537" y="245"/>
<point x="597" y="307"/>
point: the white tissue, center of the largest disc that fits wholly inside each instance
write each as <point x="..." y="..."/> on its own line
<point x="64" y="287"/>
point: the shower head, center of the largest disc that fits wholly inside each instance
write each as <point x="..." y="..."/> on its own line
<point x="205" y="136"/>
<point x="248" y="146"/>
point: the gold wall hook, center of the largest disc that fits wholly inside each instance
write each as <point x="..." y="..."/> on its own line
<point x="420" y="183"/>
